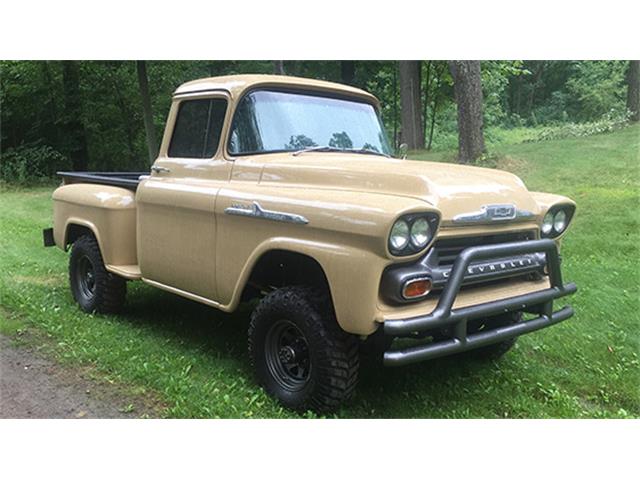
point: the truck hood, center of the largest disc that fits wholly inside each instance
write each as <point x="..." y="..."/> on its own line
<point x="453" y="189"/>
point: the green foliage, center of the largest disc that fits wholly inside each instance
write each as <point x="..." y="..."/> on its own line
<point x="565" y="91"/>
<point x="517" y="94"/>
<point x="29" y="164"/>
<point x="495" y="80"/>
<point x="30" y="104"/>
<point x="383" y="84"/>
<point x="596" y="88"/>
<point x="609" y="122"/>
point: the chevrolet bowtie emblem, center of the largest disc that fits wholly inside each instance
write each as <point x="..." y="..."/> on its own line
<point x="493" y="213"/>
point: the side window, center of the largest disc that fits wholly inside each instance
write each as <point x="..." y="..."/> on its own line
<point x="196" y="133"/>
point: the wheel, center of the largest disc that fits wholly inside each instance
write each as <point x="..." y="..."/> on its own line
<point x="299" y="353"/>
<point x="93" y="287"/>
<point x="496" y="350"/>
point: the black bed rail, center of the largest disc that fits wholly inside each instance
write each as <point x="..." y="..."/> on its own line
<point x="128" y="180"/>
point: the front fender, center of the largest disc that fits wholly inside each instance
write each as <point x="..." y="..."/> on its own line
<point x="353" y="275"/>
<point x="346" y="234"/>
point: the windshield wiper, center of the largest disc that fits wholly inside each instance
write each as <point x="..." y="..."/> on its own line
<point x="317" y="148"/>
<point x="366" y="150"/>
<point x="325" y="148"/>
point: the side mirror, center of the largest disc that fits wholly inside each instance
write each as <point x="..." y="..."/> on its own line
<point x="402" y="150"/>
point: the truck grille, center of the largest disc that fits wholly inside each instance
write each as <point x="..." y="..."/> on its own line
<point x="448" y="249"/>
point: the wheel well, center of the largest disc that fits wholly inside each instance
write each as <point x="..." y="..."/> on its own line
<point x="75" y="231"/>
<point x="279" y="268"/>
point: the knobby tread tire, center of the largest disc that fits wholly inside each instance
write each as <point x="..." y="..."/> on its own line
<point x="334" y="353"/>
<point x="110" y="290"/>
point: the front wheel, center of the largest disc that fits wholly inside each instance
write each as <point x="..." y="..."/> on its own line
<point x="300" y="354"/>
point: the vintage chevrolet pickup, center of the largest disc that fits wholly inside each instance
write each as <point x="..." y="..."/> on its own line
<point x="284" y="190"/>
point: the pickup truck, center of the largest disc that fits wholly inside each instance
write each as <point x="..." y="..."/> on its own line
<point x="284" y="191"/>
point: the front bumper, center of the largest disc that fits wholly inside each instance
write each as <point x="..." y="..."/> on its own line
<point x="444" y="315"/>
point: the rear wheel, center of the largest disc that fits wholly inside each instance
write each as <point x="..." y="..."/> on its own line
<point x="93" y="287"/>
<point x="300" y="354"/>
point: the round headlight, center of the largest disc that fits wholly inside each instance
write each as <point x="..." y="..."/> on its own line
<point x="547" y="223"/>
<point x="420" y="232"/>
<point x="560" y="221"/>
<point x="399" y="237"/>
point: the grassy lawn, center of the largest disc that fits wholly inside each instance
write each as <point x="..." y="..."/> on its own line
<point x="193" y="357"/>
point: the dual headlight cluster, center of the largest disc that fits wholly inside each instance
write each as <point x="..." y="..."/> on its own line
<point x="412" y="232"/>
<point x="556" y="221"/>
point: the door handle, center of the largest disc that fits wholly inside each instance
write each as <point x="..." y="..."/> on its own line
<point x="158" y="169"/>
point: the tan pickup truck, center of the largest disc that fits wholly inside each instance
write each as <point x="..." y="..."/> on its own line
<point x="285" y="190"/>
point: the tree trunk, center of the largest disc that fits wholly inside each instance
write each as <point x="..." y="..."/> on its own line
<point x="468" y="92"/>
<point x="76" y="138"/>
<point x="434" y="110"/>
<point x="410" y="104"/>
<point x="51" y="129"/>
<point x="127" y="123"/>
<point x="348" y="72"/>
<point x="534" y="84"/>
<point x="425" y="100"/>
<point x="436" y="95"/>
<point x="149" y="127"/>
<point x="518" y="101"/>
<point x="395" y="107"/>
<point x="633" y="90"/>
<point x="278" y="67"/>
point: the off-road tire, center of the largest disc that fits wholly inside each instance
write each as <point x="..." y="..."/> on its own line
<point x="331" y="352"/>
<point x="496" y="350"/>
<point x="105" y="293"/>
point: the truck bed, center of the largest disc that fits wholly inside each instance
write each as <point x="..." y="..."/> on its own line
<point x="128" y="180"/>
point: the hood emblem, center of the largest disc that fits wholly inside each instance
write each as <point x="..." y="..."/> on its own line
<point x="493" y="213"/>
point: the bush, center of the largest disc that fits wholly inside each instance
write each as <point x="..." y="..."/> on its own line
<point x="31" y="164"/>
<point x="608" y="123"/>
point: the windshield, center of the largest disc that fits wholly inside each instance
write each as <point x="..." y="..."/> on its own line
<point x="271" y="121"/>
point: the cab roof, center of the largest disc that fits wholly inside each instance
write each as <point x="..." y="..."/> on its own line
<point x="236" y="85"/>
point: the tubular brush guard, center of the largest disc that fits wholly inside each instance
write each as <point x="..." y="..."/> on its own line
<point x="444" y="315"/>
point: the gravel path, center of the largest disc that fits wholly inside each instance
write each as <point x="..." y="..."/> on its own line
<point x="32" y="386"/>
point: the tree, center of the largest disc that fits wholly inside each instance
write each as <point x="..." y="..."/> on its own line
<point x="348" y="72"/>
<point x="633" y="90"/>
<point x="410" y="104"/>
<point x="143" y="85"/>
<point x="126" y="120"/>
<point x="437" y="82"/>
<point x="75" y="135"/>
<point x="468" y="93"/>
<point x="425" y="99"/>
<point x="278" y="67"/>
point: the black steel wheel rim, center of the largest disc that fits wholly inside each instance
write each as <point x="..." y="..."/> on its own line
<point x="86" y="277"/>
<point x="287" y="355"/>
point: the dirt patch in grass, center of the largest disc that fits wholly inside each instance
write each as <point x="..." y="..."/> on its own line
<point x="34" y="385"/>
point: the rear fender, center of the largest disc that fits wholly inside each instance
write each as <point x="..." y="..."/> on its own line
<point x="108" y="212"/>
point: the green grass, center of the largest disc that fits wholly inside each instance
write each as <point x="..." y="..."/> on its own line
<point x="193" y="357"/>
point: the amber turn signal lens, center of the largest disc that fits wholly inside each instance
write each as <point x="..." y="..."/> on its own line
<point x="416" y="288"/>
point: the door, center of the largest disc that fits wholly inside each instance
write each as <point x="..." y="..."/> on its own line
<point x="175" y="218"/>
